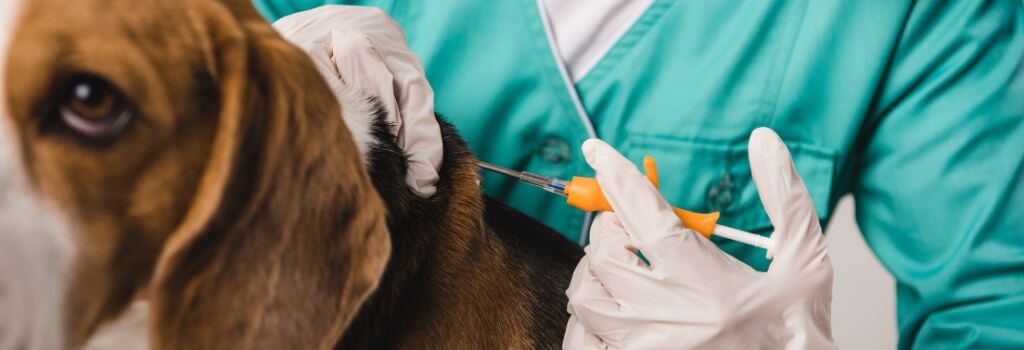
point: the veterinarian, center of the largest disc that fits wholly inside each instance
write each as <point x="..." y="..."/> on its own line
<point x="915" y="108"/>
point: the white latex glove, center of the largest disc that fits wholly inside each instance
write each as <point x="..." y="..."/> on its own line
<point x="365" y="49"/>
<point x="694" y="295"/>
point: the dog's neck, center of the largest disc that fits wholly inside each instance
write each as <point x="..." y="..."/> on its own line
<point x="445" y="263"/>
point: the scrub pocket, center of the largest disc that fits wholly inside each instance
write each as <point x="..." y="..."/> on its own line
<point x="708" y="175"/>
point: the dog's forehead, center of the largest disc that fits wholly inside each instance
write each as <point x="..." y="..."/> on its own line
<point x="171" y="35"/>
<point x="146" y="22"/>
<point x="56" y="34"/>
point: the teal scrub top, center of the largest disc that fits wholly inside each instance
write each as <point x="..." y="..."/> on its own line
<point x="914" y="107"/>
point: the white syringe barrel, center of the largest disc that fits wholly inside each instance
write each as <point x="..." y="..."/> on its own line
<point x="742" y="236"/>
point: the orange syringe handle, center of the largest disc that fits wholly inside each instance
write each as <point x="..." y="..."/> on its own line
<point x="584" y="193"/>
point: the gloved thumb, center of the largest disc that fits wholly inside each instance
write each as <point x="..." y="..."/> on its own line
<point x="798" y="243"/>
<point x="647" y="217"/>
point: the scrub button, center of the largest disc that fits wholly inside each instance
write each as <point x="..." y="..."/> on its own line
<point x="720" y="195"/>
<point x="555" y="150"/>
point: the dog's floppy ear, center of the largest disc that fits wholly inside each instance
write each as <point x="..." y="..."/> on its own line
<point x="286" y="235"/>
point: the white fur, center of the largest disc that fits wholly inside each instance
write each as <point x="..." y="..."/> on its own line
<point x="126" y="332"/>
<point x="35" y="247"/>
<point x="359" y="114"/>
<point x="34" y="252"/>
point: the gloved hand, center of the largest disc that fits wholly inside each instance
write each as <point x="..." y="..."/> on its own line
<point x="363" y="49"/>
<point x="694" y="295"/>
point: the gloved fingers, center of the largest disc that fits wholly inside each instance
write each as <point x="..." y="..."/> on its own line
<point x="579" y="338"/>
<point x="613" y="260"/>
<point x="579" y="275"/>
<point x="611" y="252"/>
<point x="646" y="216"/>
<point x="586" y="288"/>
<point x="798" y="242"/>
<point x="594" y="307"/>
<point x="321" y="57"/>
<point x="371" y="53"/>
<point x="612" y="286"/>
<point x="610" y="325"/>
<point x="609" y="241"/>
<point x="362" y="68"/>
<point x="420" y="133"/>
<point x="395" y="75"/>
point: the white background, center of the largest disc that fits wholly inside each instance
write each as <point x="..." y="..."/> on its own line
<point x="863" y="304"/>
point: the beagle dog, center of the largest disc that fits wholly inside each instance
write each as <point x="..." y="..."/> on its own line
<point x="205" y="170"/>
<point x="194" y="152"/>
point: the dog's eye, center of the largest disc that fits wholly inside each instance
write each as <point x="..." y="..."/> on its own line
<point x="94" y="108"/>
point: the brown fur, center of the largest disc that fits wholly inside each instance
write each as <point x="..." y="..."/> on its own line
<point x="238" y="202"/>
<point x="451" y="283"/>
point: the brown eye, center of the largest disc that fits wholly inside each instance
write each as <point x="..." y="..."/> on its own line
<point x="94" y="108"/>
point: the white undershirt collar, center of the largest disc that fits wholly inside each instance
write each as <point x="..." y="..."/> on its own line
<point x="584" y="30"/>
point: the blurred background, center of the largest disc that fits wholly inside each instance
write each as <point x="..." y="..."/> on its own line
<point x="864" y="294"/>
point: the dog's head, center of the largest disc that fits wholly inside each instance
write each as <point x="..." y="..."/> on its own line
<point x="202" y="160"/>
